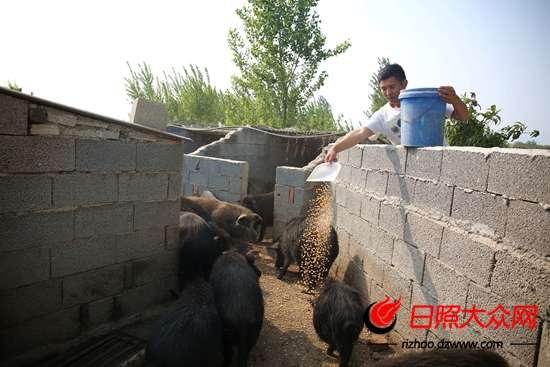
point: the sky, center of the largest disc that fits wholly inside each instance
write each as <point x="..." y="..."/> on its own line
<point x="77" y="53"/>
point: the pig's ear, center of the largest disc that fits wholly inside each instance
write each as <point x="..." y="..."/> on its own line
<point x="242" y="220"/>
<point x="257" y="218"/>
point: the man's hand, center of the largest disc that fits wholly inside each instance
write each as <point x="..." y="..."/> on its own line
<point x="448" y="94"/>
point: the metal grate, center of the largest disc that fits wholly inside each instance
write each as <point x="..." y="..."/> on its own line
<point x="109" y="351"/>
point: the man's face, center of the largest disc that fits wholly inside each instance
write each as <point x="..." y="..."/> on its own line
<point x="390" y="89"/>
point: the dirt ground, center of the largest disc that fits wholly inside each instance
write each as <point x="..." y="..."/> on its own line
<point x="288" y="337"/>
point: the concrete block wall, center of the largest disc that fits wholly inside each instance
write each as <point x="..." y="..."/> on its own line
<point x="450" y="226"/>
<point x="89" y="213"/>
<point x="227" y="179"/>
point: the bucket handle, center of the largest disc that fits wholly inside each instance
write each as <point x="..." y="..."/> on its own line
<point x="422" y="114"/>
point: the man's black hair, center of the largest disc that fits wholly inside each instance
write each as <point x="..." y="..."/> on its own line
<point x="392" y="70"/>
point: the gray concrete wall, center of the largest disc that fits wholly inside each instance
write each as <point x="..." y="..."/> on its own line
<point x="444" y="226"/>
<point x="89" y="215"/>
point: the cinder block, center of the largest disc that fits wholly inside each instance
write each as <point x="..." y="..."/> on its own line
<point x="292" y="176"/>
<point x="209" y="165"/>
<point x="358" y="177"/>
<point x="403" y="328"/>
<point x="218" y="182"/>
<point x="159" y="157"/>
<point x="234" y="169"/>
<point x="93" y="285"/>
<point x="370" y="208"/>
<point x="14" y="116"/>
<point x="397" y="284"/>
<point x="409" y="260"/>
<point x="44" y="129"/>
<point x="172" y="237"/>
<point x="356" y="156"/>
<point x="424" y="234"/>
<point x="343" y="156"/>
<point x="36" y="229"/>
<point x="361" y="229"/>
<point x="521" y="280"/>
<point x="475" y="259"/>
<point x="48" y="331"/>
<point x="465" y="167"/>
<point x="156" y="214"/>
<point x="344" y="219"/>
<point x="139" y="244"/>
<point x="374" y="267"/>
<point x="236" y="185"/>
<point x="381" y="243"/>
<point x="149" y="113"/>
<point x="99" y="312"/>
<point x="286" y="212"/>
<point x="198" y="178"/>
<point x="304" y="197"/>
<point x="187" y="190"/>
<point x="20" y="193"/>
<point x="143" y="186"/>
<point x="279" y="226"/>
<point x="544" y="349"/>
<point x="154" y="268"/>
<point x="141" y="299"/>
<point x="514" y="333"/>
<point x="175" y="184"/>
<point x="444" y="283"/>
<point x="520" y="174"/>
<point x="26" y="303"/>
<point x="371" y="155"/>
<point x="482" y="211"/>
<point x="401" y="186"/>
<point x="101" y="155"/>
<point x="424" y="163"/>
<point x="36" y="154"/>
<point x="528" y="227"/>
<point x="377" y="182"/>
<point x="102" y="220"/>
<point x="353" y="202"/>
<point x="229" y="197"/>
<point x="82" y="255"/>
<point x="341" y="195"/>
<point x="433" y="197"/>
<point x="191" y="162"/>
<point x="393" y="159"/>
<point x="84" y="189"/>
<point x="345" y="174"/>
<point x="24" y="268"/>
<point x="392" y="219"/>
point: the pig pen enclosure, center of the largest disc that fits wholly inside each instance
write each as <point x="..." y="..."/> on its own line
<point x="89" y="212"/>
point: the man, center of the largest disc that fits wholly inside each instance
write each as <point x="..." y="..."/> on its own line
<point x="387" y="120"/>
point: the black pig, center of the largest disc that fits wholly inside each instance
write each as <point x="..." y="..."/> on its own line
<point x="263" y="205"/>
<point x="338" y="318"/>
<point x="189" y="333"/>
<point x="445" y="357"/>
<point x="240" y="302"/>
<point x="291" y="247"/>
<point x="198" y="249"/>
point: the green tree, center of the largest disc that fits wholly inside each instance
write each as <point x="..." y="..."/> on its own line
<point x="478" y="132"/>
<point x="279" y="63"/>
<point x="318" y="115"/>
<point x="189" y="97"/>
<point x="377" y="100"/>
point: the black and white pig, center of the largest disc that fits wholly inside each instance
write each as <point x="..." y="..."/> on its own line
<point x="338" y="318"/>
<point x="188" y="333"/>
<point x="235" y="280"/>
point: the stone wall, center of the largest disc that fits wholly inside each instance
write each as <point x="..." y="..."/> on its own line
<point x="464" y="227"/>
<point x="89" y="212"/>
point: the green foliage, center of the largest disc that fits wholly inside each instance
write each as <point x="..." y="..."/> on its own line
<point x="12" y="85"/>
<point x="477" y="131"/>
<point x="318" y="116"/>
<point x="189" y="98"/>
<point x="377" y="100"/>
<point x="279" y="62"/>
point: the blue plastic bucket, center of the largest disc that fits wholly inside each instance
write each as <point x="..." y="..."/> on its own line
<point x="422" y="117"/>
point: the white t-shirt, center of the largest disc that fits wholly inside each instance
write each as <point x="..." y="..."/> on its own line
<point x="387" y="120"/>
